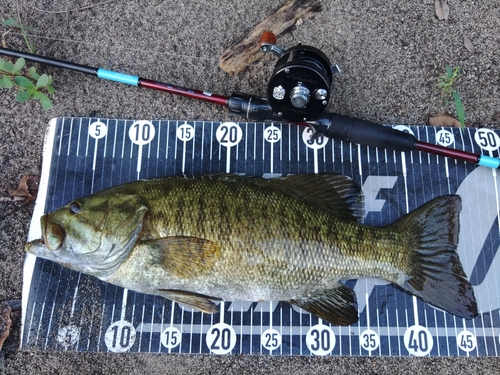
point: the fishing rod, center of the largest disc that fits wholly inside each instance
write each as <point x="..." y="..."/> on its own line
<point x="298" y="92"/>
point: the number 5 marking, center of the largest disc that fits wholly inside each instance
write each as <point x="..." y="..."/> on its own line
<point x="98" y="130"/>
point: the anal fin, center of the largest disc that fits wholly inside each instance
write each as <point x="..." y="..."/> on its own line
<point x="337" y="306"/>
<point x="197" y="301"/>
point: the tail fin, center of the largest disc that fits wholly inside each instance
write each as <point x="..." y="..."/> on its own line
<point x="435" y="273"/>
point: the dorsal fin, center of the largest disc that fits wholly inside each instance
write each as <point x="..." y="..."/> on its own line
<point x="338" y="194"/>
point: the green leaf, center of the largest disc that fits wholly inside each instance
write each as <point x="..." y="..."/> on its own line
<point x="460" y="108"/>
<point x="7" y="82"/>
<point x="42" y="81"/>
<point x="33" y="73"/>
<point x="50" y="89"/>
<point x="18" y="65"/>
<point x="45" y="101"/>
<point x="24" y="82"/>
<point x="449" y="72"/>
<point x="7" y="67"/>
<point x="2" y="63"/>
<point x="22" y="96"/>
<point x="10" y="22"/>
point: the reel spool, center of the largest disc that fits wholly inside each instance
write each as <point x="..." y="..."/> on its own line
<point x="299" y="88"/>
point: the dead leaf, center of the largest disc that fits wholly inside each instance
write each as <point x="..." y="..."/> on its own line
<point x="444" y="120"/>
<point x="442" y="10"/>
<point x="468" y="44"/>
<point x="5" y="323"/>
<point x="27" y="189"/>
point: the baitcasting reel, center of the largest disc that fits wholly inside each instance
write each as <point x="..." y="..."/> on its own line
<point x="299" y="88"/>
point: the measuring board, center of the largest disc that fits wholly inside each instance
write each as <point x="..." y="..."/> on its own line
<point x="66" y="310"/>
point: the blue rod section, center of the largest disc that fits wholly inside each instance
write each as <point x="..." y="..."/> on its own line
<point x="118" y="77"/>
<point x="488" y="161"/>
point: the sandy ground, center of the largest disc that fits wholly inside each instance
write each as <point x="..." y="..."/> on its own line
<point x="390" y="52"/>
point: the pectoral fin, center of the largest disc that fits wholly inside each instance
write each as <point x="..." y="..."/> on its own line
<point x="184" y="257"/>
<point x="195" y="300"/>
<point x="337" y="306"/>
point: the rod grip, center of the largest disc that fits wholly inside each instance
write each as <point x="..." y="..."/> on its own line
<point x="369" y="134"/>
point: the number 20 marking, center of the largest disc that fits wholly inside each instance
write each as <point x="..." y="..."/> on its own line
<point x="221" y="338"/>
<point x="229" y="134"/>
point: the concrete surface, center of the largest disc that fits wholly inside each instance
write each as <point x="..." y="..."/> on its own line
<point x="391" y="53"/>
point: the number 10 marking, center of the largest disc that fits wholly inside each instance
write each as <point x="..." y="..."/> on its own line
<point x="141" y="132"/>
<point x="120" y="336"/>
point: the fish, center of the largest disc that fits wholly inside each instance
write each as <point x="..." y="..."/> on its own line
<point x="226" y="237"/>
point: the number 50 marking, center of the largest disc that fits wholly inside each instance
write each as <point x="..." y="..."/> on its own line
<point x="487" y="139"/>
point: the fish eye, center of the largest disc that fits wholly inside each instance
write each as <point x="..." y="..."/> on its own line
<point x="75" y="207"/>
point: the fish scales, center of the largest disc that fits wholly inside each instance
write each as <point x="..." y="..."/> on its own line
<point x="228" y="237"/>
<point x="268" y="232"/>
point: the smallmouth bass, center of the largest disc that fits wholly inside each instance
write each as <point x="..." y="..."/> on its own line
<point x="234" y="238"/>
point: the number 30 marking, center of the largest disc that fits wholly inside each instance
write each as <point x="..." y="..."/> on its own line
<point x="320" y="339"/>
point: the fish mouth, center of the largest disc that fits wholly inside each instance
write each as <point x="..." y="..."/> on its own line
<point x="53" y="234"/>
